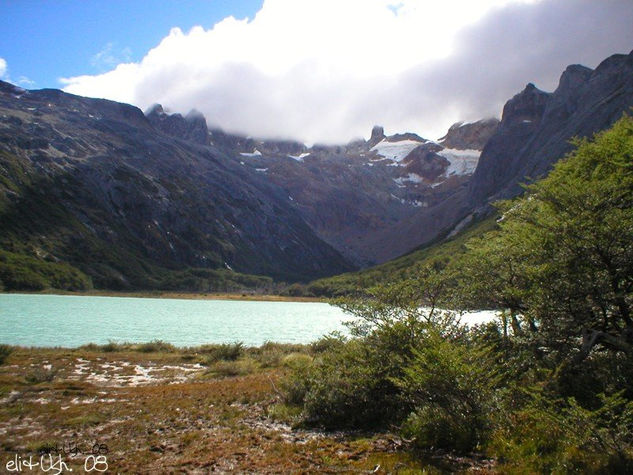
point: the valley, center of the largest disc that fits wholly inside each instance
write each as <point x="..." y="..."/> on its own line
<point x="128" y="200"/>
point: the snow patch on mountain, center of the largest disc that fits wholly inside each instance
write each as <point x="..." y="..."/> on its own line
<point x="462" y="162"/>
<point x="300" y="157"/>
<point x="256" y="153"/>
<point x="410" y="178"/>
<point x="395" y="151"/>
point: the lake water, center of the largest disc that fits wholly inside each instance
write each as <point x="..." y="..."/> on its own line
<point x="70" y="321"/>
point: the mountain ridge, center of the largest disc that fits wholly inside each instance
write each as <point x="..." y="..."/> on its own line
<point x="349" y="192"/>
<point x="124" y="194"/>
<point x="127" y="198"/>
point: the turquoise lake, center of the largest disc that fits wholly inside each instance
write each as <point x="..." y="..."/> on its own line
<point x="71" y="321"/>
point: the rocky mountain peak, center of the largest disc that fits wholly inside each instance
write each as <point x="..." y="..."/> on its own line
<point x="614" y="64"/>
<point x="377" y="134"/>
<point x="8" y="88"/>
<point x="155" y="110"/>
<point x="471" y="135"/>
<point x="573" y="77"/>
<point x="193" y="127"/>
<point x="525" y="107"/>
<point x="536" y="127"/>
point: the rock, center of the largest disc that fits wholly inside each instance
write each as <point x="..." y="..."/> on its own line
<point x="470" y="136"/>
<point x="534" y="133"/>
<point x="425" y="162"/>
<point x="536" y="127"/>
<point x="193" y="127"/>
<point x="377" y="134"/>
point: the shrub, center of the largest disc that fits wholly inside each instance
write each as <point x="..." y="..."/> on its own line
<point x="222" y="352"/>
<point x="5" y="351"/>
<point x="154" y="346"/>
<point x="234" y="368"/>
<point x="270" y="356"/>
<point x="554" y="435"/>
<point x="297" y="361"/>
<point x="109" y="347"/>
<point x="404" y="365"/>
<point x="40" y="375"/>
<point x="450" y="384"/>
<point x="327" y="343"/>
<point x="285" y="413"/>
<point x="348" y="387"/>
<point x="434" y="426"/>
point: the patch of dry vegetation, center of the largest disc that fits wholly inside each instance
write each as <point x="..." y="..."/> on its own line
<point x="157" y="409"/>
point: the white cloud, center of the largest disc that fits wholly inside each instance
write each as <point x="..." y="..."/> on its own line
<point x="3" y="68"/>
<point x="327" y="70"/>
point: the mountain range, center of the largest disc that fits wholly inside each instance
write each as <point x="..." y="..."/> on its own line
<point x="132" y="199"/>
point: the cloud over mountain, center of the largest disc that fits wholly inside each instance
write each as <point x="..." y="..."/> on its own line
<point x="3" y="68"/>
<point x="327" y="70"/>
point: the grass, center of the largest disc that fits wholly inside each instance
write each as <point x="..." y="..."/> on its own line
<point x="227" y="417"/>
<point x="234" y="368"/>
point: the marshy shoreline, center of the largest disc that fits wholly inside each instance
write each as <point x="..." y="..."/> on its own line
<point x="153" y="407"/>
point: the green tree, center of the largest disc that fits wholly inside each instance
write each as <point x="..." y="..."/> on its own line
<point x="563" y="256"/>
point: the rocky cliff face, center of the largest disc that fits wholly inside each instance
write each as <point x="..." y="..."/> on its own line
<point x="535" y="132"/>
<point x="536" y="127"/>
<point x="99" y="185"/>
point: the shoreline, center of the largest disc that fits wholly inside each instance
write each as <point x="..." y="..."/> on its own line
<point x="159" y="294"/>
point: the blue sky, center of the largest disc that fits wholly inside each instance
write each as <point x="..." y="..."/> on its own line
<point x="312" y="70"/>
<point x="43" y="40"/>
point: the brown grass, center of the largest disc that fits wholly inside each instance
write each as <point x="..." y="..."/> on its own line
<point x="184" y="420"/>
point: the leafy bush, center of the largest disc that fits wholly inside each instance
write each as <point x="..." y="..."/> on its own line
<point x="553" y="435"/>
<point x="297" y="361"/>
<point x="346" y="388"/>
<point x="40" y="375"/>
<point x="271" y="354"/>
<point x="357" y="383"/>
<point x="327" y="343"/>
<point x="450" y="385"/>
<point x="109" y="347"/>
